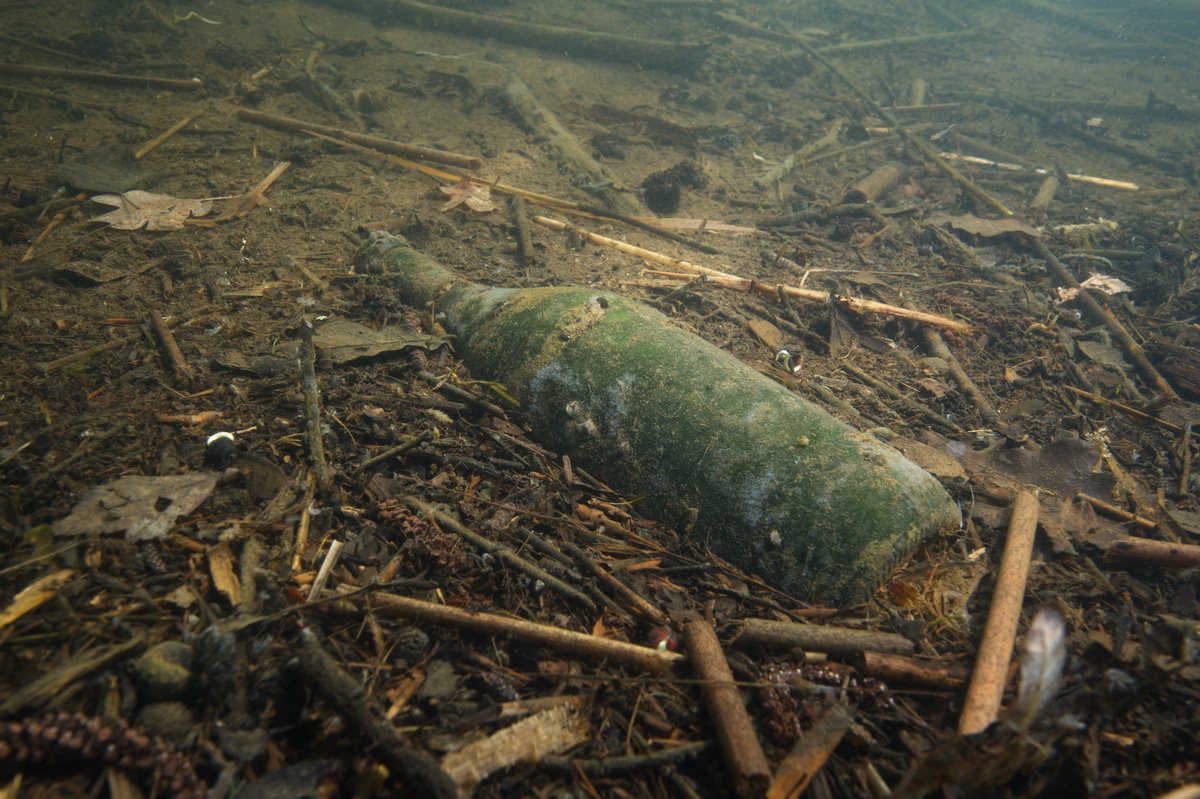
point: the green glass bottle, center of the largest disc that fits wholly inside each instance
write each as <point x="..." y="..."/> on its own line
<point x="765" y="478"/>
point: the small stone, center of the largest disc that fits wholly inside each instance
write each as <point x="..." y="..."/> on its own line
<point x="411" y="645"/>
<point x="171" y="721"/>
<point x="164" y="672"/>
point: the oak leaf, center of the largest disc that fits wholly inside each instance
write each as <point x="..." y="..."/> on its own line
<point x="137" y="209"/>
<point x="476" y="197"/>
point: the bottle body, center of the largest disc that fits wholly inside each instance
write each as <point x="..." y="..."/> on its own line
<point x="699" y="439"/>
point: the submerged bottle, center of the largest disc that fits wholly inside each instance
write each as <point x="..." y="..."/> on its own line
<point x="763" y="477"/>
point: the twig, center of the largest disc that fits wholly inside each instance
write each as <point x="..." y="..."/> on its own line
<point x="570" y="41"/>
<point x="39" y="693"/>
<point x="40" y="48"/>
<point x="728" y="281"/>
<point x="45" y="234"/>
<point x="1108" y="183"/>
<point x="1185" y="458"/>
<point x="990" y="675"/>
<point x="655" y="661"/>
<point x="421" y="773"/>
<point x="322" y="578"/>
<point x="53" y="366"/>
<point x="576" y="160"/>
<point x="735" y="731"/>
<point x="614" y="766"/>
<point x="154" y="143"/>
<point x="440" y="384"/>
<point x="809" y="754"/>
<point x="524" y="239"/>
<point x="632" y="598"/>
<point x="255" y="197"/>
<point x="1148" y="552"/>
<point x="907" y="671"/>
<point x="312" y="406"/>
<point x="502" y="554"/>
<point x="617" y="766"/>
<point x="195" y="84"/>
<point x="909" y="404"/>
<point x="557" y="203"/>
<point x="372" y="142"/>
<point x="1131" y="412"/>
<point x="1111" y="510"/>
<point x="833" y="641"/>
<point x="937" y="347"/>
<point x="1102" y="315"/>
<point x="398" y="450"/>
<point x="913" y="140"/>
<point x="174" y="354"/>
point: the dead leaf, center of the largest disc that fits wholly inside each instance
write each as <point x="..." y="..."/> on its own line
<point x="144" y="507"/>
<point x="345" y="341"/>
<point x="476" y="197"/>
<point x="986" y="228"/>
<point x="32" y="596"/>
<point x="137" y="209"/>
<point x="767" y="333"/>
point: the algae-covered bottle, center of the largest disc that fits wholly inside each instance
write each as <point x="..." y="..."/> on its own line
<point x="765" y="478"/>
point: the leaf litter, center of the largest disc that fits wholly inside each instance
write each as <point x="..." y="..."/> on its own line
<point x="139" y="209"/>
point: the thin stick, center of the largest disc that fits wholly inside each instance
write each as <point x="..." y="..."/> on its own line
<point x="1131" y="412"/>
<point x="655" y="661"/>
<point x="154" y="143"/>
<point x="1185" y="457"/>
<point x="255" y="197"/>
<point x="398" y="450"/>
<point x="524" y="238"/>
<point x="331" y="559"/>
<point x="809" y="754"/>
<point x="913" y="140"/>
<point x="632" y="598"/>
<point x="907" y="671"/>
<point x="1100" y="314"/>
<point x="50" y="50"/>
<point x="178" y="363"/>
<point x="304" y="525"/>
<point x="1109" y="183"/>
<point x="45" y="234"/>
<point x="735" y="731"/>
<point x="195" y="84"/>
<point x="937" y="347"/>
<point x="53" y="366"/>
<point x="572" y="155"/>
<point x="1109" y="509"/>
<point x="373" y="142"/>
<point x="312" y="405"/>
<point x="833" y="641"/>
<point x="999" y="635"/>
<point x="505" y="556"/>
<point x="910" y="405"/>
<point x="728" y="281"/>
<point x="421" y="773"/>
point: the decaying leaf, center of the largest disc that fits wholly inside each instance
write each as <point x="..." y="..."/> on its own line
<point x="1106" y="283"/>
<point x="987" y="228"/>
<point x="476" y="197"/>
<point x="346" y="341"/>
<point x="145" y="507"/>
<point x="137" y="209"/>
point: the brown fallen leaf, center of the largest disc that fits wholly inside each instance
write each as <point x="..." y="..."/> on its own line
<point x="137" y="209"/>
<point x="476" y="197"/>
